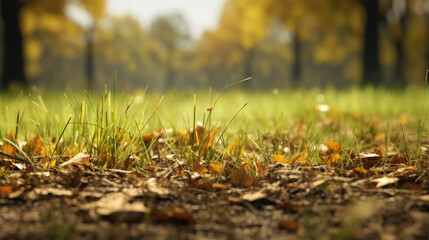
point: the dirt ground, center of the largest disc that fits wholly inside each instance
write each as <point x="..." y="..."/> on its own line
<point x="288" y="202"/>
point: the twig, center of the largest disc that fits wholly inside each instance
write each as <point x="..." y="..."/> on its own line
<point x="15" y="158"/>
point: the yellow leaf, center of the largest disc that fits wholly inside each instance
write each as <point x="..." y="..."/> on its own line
<point x="279" y="159"/>
<point x="9" y="149"/>
<point x="331" y="158"/>
<point x="215" y="168"/>
<point x="50" y="164"/>
<point x="334" y="146"/>
<point x="300" y="158"/>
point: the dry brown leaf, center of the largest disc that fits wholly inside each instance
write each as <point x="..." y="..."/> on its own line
<point x="236" y="200"/>
<point x="151" y="168"/>
<point x="115" y="203"/>
<point x="383" y="181"/>
<point x="291" y="226"/>
<point x="197" y="167"/>
<point x="398" y="160"/>
<point x="37" y="146"/>
<point x="181" y="215"/>
<point x="152" y="136"/>
<point x="79" y="159"/>
<point x="155" y="187"/>
<point x="219" y="186"/>
<point x="369" y="159"/>
<point x="241" y="178"/>
<point x="201" y="184"/>
<point x="254" y="196"/>
<point x="5" y="191"/>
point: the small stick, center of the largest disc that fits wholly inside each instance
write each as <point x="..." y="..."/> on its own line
<point x="15" y="158"/>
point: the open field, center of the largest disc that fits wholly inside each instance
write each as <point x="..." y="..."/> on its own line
<point x="320" y="163"/>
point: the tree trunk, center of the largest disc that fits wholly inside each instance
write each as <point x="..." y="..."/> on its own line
<point x="89" y="64"/>
<point x="13" y="56"/>
<point x="296" y="65"/>
<point x="398" y="32"/>
<point x="399" y="68"/>
<point x="248" y="66"/>
<point x="371" y="63"/>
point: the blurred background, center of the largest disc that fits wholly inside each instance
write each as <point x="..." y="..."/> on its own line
<point x="194" y="44"/>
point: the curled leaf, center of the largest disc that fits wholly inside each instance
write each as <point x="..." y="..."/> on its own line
<point x="241" y="178"/>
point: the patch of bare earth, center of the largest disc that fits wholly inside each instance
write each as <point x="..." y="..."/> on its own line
<point x="286" y="202"/>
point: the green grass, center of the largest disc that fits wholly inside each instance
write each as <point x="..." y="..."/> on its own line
<point x="110" y="126"/>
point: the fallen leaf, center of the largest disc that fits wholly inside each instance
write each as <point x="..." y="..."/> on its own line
<point x="291" y="226"/>
<point x="201" y="184"/>
<point x="197" y="167"/>
<point x="219" y="186"/>
<point x="241" y="178"/>
<point x="115" y="203"/>
<point x="398" y="160"/>
<point x="383" y="181"/>
<point x="378" y="152"/>
<point x="153" y="186"/>
<point x="424" y="198"/>
<point x="37" y="146"/>
<point x="333" y="146"/>
<point x="173" y="214"/>
<point x="235" y="200"/>
<point x="301" y="158"/>
<point x="151" y="168"/>
<point x="369" y="159"/>
<point x="181" y="215"/>
<point x="330" y="158"/>
<point x="150" y="137"/>
<point x="79" y="159"/>
<point x="279" y="159"/>
<point x="5" y="191"/>
<point x="253" y="196"/>
<point x="215" y="168"/>
<point x="317" y="183"/>
<point x="9" y="149"/>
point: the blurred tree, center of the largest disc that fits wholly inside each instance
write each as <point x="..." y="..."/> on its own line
<point x="13" y="57"/>
<point x="396" y="17"/>
<point x="232" y="46"/>
<point x="24" y="21"/>
<point x="123" y="45"/>
<point x="96" y="9"/>
<point x="371" y="63"/>
<point x="172" y="32"/>
<point x="330" y="28"/>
